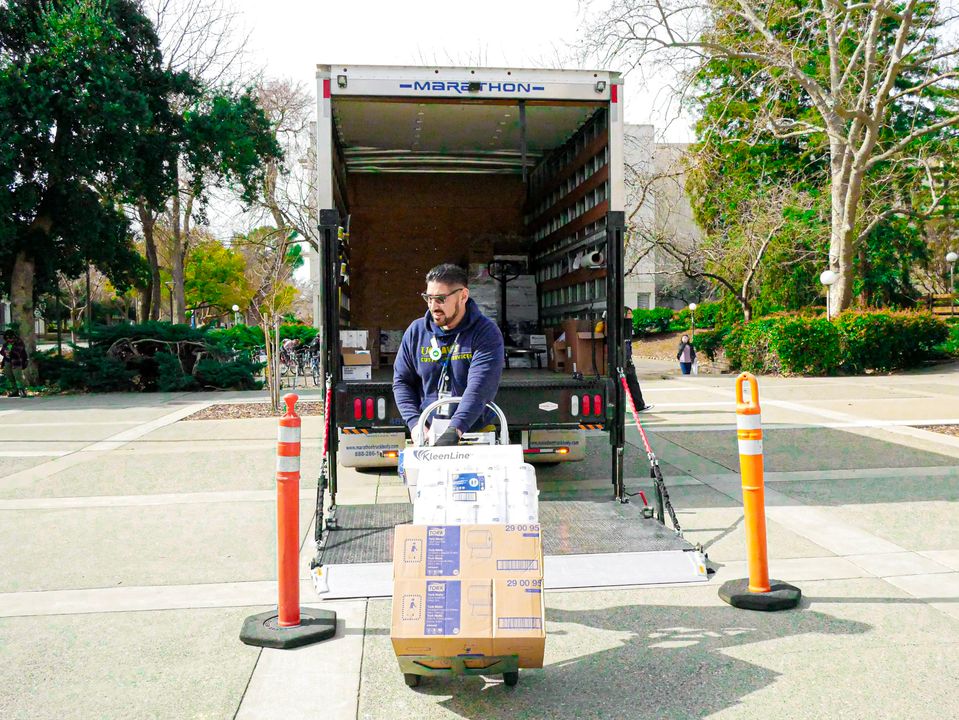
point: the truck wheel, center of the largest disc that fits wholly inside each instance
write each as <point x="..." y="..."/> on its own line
<point x="411" y="679"/>
<point x="511" y="678"/>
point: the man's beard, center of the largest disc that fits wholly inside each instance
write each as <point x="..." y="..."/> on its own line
<point x="447" y="318"/>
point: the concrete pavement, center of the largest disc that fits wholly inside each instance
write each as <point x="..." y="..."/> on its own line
<point x="136" y="543"/>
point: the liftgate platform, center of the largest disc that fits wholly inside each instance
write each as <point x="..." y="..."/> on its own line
<point x="589" y="540"/>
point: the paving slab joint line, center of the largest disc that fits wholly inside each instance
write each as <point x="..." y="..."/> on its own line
<point x="246" y="687"/>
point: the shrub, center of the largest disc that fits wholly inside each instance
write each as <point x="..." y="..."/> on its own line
<point x="232" y="375"/>
<point x="92" y="369"/>
<point x="806" y="345"/>
<point x="854" y="342"/>
<point x="888" y="340"/>
<point x="170" y="374"/>
<point x="247" y="338"/>
<point x="148" y="357"/>
<point x="239" y="338"/>
<point x="50" y="366"/>
<point x="951" y="345"/>
<point x="711" y="341"/>
<point x="747" y="347"/>
<point x="707" y="314"/>
<point x="303" y="333"/>
<point x="650" y="322"/>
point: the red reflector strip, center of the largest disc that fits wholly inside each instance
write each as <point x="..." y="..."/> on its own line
<point x="597" y="405"/>
<point x="326" y="89"/>
<point x="585" y="404"/>
<point x="357" y="409"/>
<point x="613" y="92"/>
<point x="369" y="408"/>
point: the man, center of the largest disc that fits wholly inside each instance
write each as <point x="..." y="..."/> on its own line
<point x="632" y="382"/>
<point x="14" y="355"/>
<point x="452" y="351"/>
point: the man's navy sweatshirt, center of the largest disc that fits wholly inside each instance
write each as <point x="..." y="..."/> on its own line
<point x="475" y="367"/>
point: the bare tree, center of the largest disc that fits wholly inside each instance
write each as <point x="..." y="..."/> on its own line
<point x="201" y="38"/>
<point x="289" y="189"/>
<point x="734" y="257"/>
<point x="269" y="271"/>
<point x="74" y="297"/>
<point x="881" y="60"/>
<point x="659" y="214"/>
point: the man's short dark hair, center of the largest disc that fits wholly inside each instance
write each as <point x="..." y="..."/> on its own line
<point x="448" y="274"/>
<point x="9" y="335"/>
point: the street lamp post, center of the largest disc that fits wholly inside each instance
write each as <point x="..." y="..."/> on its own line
<point x="951" y="258"/>
<point x="827" y="278"/>
<point x="692" y="321"/>
<point x="236" y="316"/>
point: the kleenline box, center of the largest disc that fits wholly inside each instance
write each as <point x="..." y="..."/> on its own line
<point x="442" y="617"/>
<point x="475" y="494"/>
<point x="518" y="613"/>
<point x="413" y="458"/>
<point x="449" y="551"/>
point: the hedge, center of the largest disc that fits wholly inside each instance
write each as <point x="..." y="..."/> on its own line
<point x="888" y="340"/>
<point x="853" y="342"/>
<point x="149" y="357"/>
<point x="246" y="338"/>
<point x="650" y="322"/>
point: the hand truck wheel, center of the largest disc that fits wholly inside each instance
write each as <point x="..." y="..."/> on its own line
<point x="411" y="679"/>
<point x="511" y="678"/>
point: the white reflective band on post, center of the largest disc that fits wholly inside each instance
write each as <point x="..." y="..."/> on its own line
<point x="288" y="463"/>
<point x="750" y="447"/>
<point x="288" y="434"/>
<point x="749" y="422"/>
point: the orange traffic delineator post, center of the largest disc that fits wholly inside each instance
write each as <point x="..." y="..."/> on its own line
<point x="757" y="592"/>
<point x="290" y="625"/>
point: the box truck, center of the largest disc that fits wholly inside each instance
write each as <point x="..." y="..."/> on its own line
<point x="516" y="175"/>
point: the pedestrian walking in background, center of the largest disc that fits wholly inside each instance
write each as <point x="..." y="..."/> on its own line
<point x="14" y="355"/>
<point x="686" y="355"/>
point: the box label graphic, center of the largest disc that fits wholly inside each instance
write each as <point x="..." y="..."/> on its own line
<point x="463" y="482"/>
<point x="442" y="551"/>
<point x="442" y="607"/>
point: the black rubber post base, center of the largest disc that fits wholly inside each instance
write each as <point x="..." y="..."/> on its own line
<point x="264" y="630"/>
<point x="781" y="596"/>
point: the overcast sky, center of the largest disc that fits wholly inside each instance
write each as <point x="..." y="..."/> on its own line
<point x="289" y="37"/>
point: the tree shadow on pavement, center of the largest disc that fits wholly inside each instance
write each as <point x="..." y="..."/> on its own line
<point x="651" y="662"/>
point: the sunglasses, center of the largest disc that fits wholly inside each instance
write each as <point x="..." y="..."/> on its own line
<point x="441" y="299"/>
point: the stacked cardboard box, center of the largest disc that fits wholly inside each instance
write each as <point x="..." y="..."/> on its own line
<point x="390" y="341"/>
<point x="556" y="347"/>
<point x="472" y="590"/>
<point x="575" y="345"/>
<point x="359" y="349"/>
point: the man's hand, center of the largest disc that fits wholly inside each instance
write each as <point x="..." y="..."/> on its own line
<point x="449" y="437"/>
